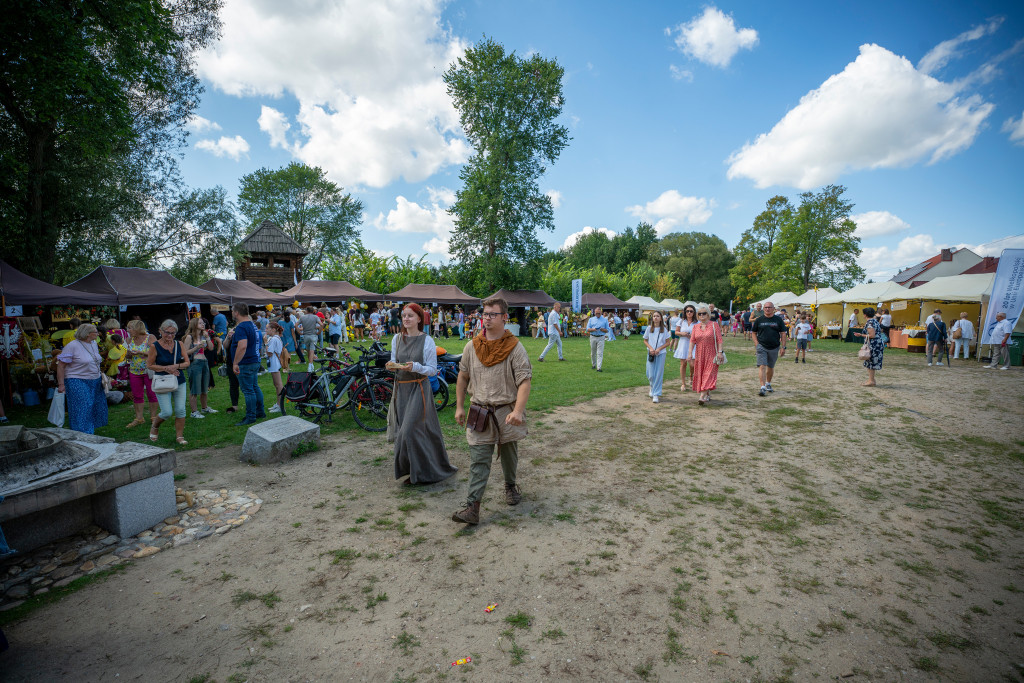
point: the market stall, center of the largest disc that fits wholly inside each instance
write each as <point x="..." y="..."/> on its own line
<point x="524" y="304"/>
<point x="836" y="309"/>
<point x="954" y="294"/>
<point x="246" y="292"/>
<point x="316" y="292"/>
<point x="646" y="303"/>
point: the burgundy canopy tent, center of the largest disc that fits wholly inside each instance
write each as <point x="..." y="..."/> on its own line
<point x="434" y="294"/>
<point x="315" y="291"/>
<point x="245" y="292"/>
<point x="141" y="287"/>
<point x="19" y="289"/>
<point x="524" y="297"/>
<point x="608" y="302"/>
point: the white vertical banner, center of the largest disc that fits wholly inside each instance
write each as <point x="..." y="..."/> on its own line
<point x="577" y="296"/>
<point x="1007" y="292"/>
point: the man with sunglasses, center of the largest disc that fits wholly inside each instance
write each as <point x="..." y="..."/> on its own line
<point x="769" y="345"/>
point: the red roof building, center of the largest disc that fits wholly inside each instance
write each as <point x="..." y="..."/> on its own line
<point x="983" y="267"/>
<point x="946" y="262"/>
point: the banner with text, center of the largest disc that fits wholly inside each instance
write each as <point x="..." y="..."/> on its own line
<point x="577" y="296"/>
<point x="1007" y="292"/>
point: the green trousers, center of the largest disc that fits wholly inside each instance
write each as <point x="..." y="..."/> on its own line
<point x="480" y="457"/>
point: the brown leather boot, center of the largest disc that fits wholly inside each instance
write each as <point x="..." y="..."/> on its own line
<point x="469" y="514"/>
<point x="512" y="494"/>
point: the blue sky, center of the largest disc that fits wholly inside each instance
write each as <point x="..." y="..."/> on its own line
<point x="690" y="116"/>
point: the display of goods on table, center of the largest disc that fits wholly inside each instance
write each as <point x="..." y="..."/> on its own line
<point x="915" y="339"/>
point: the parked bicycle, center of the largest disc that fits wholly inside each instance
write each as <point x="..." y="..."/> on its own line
<point x="319" y="395"/>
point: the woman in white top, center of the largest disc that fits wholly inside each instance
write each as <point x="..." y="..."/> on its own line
<point x="657" y="339"/>
<point x="966" y="328"/>
<point x="684" y="350"/>
<point x="413" y="425"/>
<point x="275" y="350"/>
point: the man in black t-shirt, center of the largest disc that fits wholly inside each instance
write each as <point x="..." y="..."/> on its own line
<point x="769" y="345"/>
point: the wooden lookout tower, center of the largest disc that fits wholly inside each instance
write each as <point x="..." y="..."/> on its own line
<point x="271" y="259"/>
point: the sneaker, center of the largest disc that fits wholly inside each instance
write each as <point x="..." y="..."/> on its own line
<point x="593" y="367"/>
<point x="469" y="514"/>
<point x="599" y="369"/>
<point x="209" y="411"/>
<point x="939" y="363"/>
<point x="804" y="360"/>
<point x="988" y="366"/>
<point x="796" y="360"/>
<point x="541" y="359"/>
<point x="654" y="399"/>
<point x="561" y="359"/>
<point x="245" y="422"/>
<point x="512" y="494"/>
<point x="929" y="365"/>
<point x="274" y="409"/>
<point x="769" y="387"/>
<point x="1005" y="367"/>
<point x="198" y="415"/>
<point x="763" y="391"/>
<point x="4" y="419"/>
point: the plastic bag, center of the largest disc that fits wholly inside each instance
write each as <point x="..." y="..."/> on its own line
<point x="56" y="416"/>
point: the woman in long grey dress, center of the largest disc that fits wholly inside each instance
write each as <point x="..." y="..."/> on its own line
<point x="419" y="446"/>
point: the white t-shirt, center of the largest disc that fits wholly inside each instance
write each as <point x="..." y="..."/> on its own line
<point x="274" y="347"/>
<point x="803" y="331"/>
<point x="656" y="337"/>
<point x="429" y="365"/>
<point x="853" y="320"/>
<point x="673" y="322"/>
<point x="375" y="318"/>
<point x="886" y="320"/>
<point x="553" y="323"/>
<point x="1001" y="329"/>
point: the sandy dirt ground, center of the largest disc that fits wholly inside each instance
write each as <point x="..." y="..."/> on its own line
<point x="826" y="532"/>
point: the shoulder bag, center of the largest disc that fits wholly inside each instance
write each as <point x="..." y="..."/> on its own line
<point x="865" y="350"/>
<point x="957" y="333"/>
<point x="720" y="350"/>
<point x="165" y="384"/>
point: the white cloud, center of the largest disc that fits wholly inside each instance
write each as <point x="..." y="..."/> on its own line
<point x="1015" y="127"/>
<point x="201" y="125"/>
<point x="275" y="125"/>
<point x="941" y="54"/>
<point x="884" y="262"/>
<point x="556" y="198"/>
<point x="878" y="223"/>
<point x="441" y="195"/>
<point x="572" y="239"/>
<point x="680" y="74"/>
<point x="225" y="147"/>
<point x="713" y="38"/>
<point x="879" y="112"/>
<point x="995" y="247"/>
<point x="671" y="210"/>
<point x="367" y="77"/>
<point x="411" y="217"/>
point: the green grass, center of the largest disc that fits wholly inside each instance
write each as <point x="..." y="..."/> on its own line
<point x="35" y="602"/>
<point x="519" y="620"/>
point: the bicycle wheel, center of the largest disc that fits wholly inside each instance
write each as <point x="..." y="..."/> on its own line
<point x="370" y="405"/>
<point x="441" y="395"/>
<point x="316" y="406"/>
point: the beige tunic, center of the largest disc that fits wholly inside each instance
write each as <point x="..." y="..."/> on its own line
<point x="496" y="386"/>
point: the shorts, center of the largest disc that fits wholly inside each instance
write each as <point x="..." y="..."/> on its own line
<point x="309" y="340"/>
<point x="674" y="336"/>
<point x="801" y="344"/>
<point x="335" y="338"/>
<point x="767" y="356"/>
<point x="746" y="327"/>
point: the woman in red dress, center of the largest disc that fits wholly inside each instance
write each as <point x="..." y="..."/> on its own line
<point x="706" y="337"/>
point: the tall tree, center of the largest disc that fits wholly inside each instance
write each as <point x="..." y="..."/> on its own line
<point x="700" y="263"/>
<point x="311" y="209"/>
<point x="748" y="276"/>
<point x="508" y="108"/>
<point x="817" y="245"/>
<point x="94" y="97"/>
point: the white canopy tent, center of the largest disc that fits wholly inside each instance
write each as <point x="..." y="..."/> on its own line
<point x="867" y="294"/>
<point x="812" y="297"/>
<point x="673" y="304"/>
<point x="646" y="303"/>
<point x="779" y="299"/>
<point x="955" y="288"/>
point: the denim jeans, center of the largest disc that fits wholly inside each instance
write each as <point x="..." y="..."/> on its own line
<point x="247" y="375"/>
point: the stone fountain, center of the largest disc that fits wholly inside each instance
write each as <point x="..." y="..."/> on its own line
<point x="55" y="482"/>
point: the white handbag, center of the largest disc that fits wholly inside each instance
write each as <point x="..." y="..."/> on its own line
<point x="165" y="384"/>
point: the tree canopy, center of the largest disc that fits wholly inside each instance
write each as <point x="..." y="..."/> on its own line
<point x="508" y="107"/>
<point x="795" y="249"/>
<point x="700" y="263"/>
<point x="94" y="97"/>
<point x="307" y="206"/>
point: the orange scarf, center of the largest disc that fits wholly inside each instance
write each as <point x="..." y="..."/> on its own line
<point x="491" y="352"/>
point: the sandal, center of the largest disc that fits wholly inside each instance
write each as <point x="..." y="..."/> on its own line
<point x="153" y="436"/>
<point x="181" y="441"/>
<point x="134" y="423"/>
